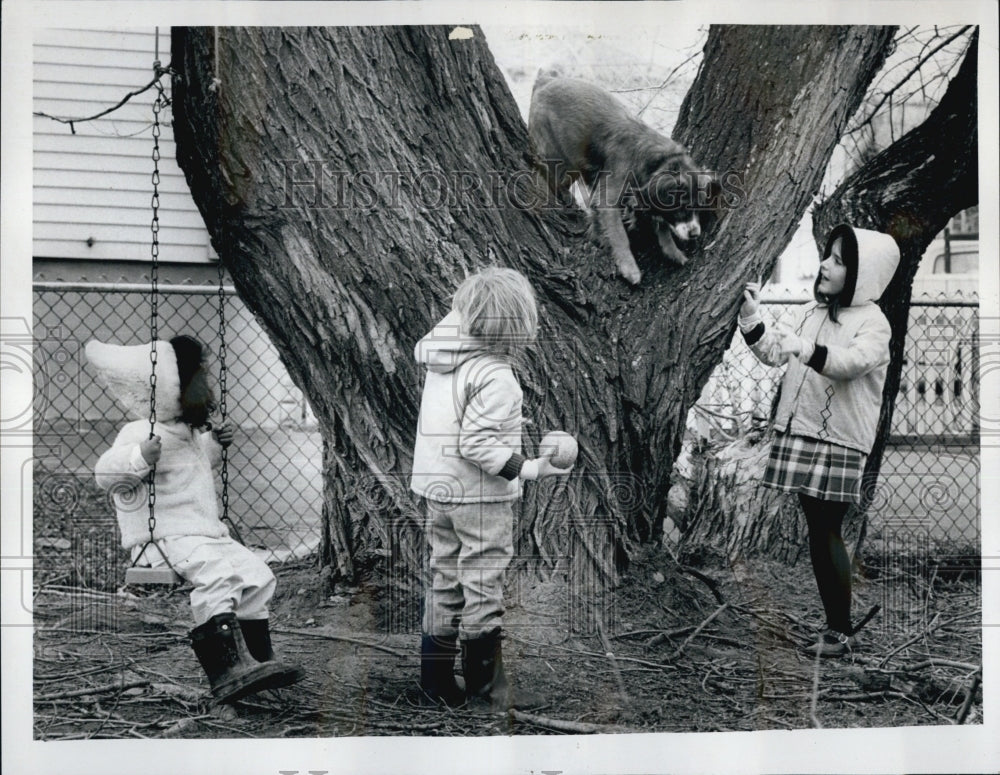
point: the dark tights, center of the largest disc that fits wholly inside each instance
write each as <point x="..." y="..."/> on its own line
<point x="830" y="562"/>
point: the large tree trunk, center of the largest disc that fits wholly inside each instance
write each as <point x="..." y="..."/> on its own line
<point x="909" y="190"/>
<point x="347" y="278"/>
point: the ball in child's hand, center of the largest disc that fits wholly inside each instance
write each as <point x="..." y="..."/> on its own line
<point x="565" y="446"/>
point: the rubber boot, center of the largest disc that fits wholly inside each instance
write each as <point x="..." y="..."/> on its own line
<point x="232" y="672"/>
<point x="257" y="634"/>
<point x="437" y="671"/>
<point x="485" y="677"/>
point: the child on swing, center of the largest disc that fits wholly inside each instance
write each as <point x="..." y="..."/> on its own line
<point x="830" y="399"/>
<point x="467" y="465"/>
<point x="232" y="586"/>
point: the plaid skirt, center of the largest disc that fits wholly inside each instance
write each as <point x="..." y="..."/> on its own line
<point x="827" y="471"/>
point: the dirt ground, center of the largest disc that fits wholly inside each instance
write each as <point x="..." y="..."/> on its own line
<point x="703" y="646"/>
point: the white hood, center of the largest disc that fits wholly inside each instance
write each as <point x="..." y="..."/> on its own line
<point x="124" y="370"/>
<point x="447" y="346"/>
<point x="878" y="257"/>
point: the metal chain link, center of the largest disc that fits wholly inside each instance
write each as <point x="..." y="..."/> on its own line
<point x="223" y="376"/>
<point x="154" y="256"/>
<point x="154" y="301"/>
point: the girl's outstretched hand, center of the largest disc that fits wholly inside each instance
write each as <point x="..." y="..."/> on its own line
<point x="751" y="300"/>
<point x="224" y="434"/>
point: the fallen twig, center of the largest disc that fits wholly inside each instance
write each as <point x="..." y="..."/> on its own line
<point x="581" y="653"/>
<point x="560" y="725"/>
<point x="697" y="630"/>
<point x="935" y="662"/>
<point x="623" y="695"/>
<point x="664" y="635"/>
<point x="86" y="692"/>
<point x="75" y="676"/>
<point x="920" y="703"/>
<point x="708" y="581"/>
<point x="780" y="630"/>
<point x="934" y="625"/>
<point x="179" y="692"/>
<point x="970" y="697"/>
<point x="183" y="725"/>
<point x="814" y="701"/>
<point x="320" y="633"/>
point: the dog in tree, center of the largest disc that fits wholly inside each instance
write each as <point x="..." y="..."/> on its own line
<point x="634" y="176"/>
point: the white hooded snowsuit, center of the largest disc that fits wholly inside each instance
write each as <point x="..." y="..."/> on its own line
<point x="227" y="577"/>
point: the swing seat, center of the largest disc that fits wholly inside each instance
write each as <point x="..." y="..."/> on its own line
<point x="141" y="575"/>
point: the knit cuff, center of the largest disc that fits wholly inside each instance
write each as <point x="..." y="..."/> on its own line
<point x="754" y="335"/>
<point x="512" y="468"/>
<point x="818" y="358"/>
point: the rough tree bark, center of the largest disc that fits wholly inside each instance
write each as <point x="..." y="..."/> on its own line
<point x="909" y="190"/>
<point x="346" y="272"/>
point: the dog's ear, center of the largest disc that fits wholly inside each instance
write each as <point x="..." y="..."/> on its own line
<point x="662" y="163"/>
<point x="543" y="76"/>
<point x="669" y="190"/>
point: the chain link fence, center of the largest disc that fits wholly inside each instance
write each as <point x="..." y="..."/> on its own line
<point x="928" y="492"/>
<point x="929" y="483"/>
<point x="275" y="488"/>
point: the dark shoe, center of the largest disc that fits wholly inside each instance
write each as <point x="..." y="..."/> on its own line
<point x="437" y="671"/>
<point x="485" y="677"/>
<point x="832" y="643"/>
<point x="257" y="634"/>
<point x="223" y="655"/>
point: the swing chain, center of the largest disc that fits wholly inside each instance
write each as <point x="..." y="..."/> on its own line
<point x="223" y="375"/>
<point x="154" y="254"/>
<point x="154" y="298"/>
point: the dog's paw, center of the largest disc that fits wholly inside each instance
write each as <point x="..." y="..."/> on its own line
<point x="631" y="273"/>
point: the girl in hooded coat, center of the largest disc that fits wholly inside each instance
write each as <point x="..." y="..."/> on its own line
<point x="231" y="585"/>
<point x="837" y="355"/>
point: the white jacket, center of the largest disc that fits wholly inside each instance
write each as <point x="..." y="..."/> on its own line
<point x="470" y="419"/>
<point x="185" y="482"/>
<point x="837" y="395"/>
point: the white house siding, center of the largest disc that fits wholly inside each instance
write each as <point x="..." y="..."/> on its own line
<point x="92" y="189"/>
<point x="91" y="214"/>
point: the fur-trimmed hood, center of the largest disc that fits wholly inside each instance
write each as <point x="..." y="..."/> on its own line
<point x="124" y="371"/>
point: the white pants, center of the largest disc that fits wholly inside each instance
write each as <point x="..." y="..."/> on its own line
<point x="227" y="577"/>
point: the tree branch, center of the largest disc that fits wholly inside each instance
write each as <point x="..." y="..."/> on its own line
<point x="160" y="72"/>
<point x="921" y="61"/>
